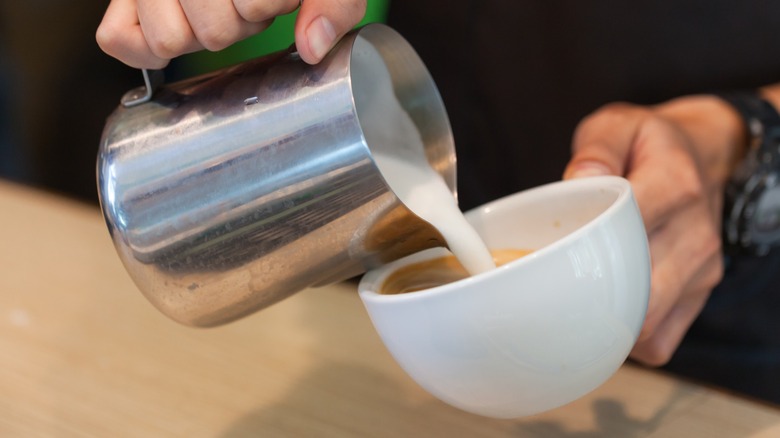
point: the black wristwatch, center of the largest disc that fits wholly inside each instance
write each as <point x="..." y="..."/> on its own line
<point x="751" y="215"/>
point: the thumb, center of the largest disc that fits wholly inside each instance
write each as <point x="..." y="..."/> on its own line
<point x="603" y="141"/>
<point x="322" y="23"/>
<point x="581" y="168"/>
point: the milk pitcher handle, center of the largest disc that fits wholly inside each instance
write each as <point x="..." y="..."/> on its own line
<point x="153" y="79"/>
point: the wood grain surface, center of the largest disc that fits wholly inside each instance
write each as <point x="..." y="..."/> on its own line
<point x="85" y="355"/>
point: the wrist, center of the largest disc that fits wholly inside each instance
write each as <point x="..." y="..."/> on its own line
<point x="752" y="210"/>
<point x="772" y="94"/>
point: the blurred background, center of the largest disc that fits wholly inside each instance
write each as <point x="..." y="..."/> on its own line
<point x="57" y="87"/>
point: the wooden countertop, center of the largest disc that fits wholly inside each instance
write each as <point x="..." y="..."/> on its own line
<point x="84" y="354"/>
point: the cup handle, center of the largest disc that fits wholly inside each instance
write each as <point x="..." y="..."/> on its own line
<point x="153" y="79"/>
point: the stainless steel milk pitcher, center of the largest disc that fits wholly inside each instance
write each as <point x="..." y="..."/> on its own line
<point x="228" y="192"/>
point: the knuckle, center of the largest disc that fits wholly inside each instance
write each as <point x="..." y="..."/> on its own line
<point x="169" y="44"/>
<point x="255" y="11"/>
<point x="653" y="353"/>
<point x="214" y="38"/>
<point x="657" y="357"/>
<point x="712" y="244"/>
<point x="688" y="181"/>
<point x="611" y="114"/>
<point x="108" y="37"/>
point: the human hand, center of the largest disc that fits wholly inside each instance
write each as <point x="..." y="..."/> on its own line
<point x="149" y="33"/>
<point x="677" y="157"/>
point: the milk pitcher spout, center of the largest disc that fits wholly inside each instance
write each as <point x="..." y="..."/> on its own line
<point x="228" y="192"/>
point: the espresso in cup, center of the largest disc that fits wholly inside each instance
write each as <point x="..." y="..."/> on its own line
<point x="438" y="272"/>
<point x="531" y="335"/>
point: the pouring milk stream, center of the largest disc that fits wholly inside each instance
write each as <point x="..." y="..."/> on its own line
<point x="399" y="153"/>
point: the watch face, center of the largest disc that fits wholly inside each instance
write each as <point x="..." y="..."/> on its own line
<point x="766" y="220"/>
<point x="752" y="198"/>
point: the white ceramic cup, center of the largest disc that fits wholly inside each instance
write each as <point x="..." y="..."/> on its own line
<point x="540" y="331"/>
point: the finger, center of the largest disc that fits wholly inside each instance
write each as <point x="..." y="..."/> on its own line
<point x="321" y="23"/>
<point x="663" y="173"/>
<point x="257" y="11"/>
<point x="217" y="24"/>
<point x="120" y="35"/>
<point x="679" y="251"/>
<point x="166" y="29"/>
<point x="657" y="349"/>
<point x="687" y="265"/>
<point x="602" y="142"/>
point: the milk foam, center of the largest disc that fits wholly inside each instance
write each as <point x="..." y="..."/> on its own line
<point x="398" y="150"/>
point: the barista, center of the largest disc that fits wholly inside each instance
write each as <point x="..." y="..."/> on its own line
<point x="529" y="88"/>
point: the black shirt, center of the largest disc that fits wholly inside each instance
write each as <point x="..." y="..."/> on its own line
<point x="516" y="76"/>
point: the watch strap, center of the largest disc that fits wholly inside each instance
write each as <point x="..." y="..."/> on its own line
<point x="761" y="118"/>
<point x="757" y="173"/>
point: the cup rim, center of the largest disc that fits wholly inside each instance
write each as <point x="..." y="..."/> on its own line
<point x="376" y="277"/>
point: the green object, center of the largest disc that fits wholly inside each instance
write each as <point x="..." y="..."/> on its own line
<point x="280" y="35"/>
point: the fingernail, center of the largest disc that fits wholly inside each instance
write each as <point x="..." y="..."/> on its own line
<point x="585" y="169"/>
<point x="321" y="37"/>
